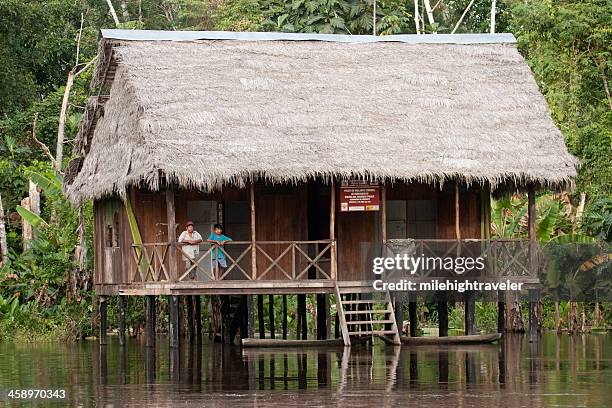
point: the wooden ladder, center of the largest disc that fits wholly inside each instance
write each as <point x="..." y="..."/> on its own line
<point x="364" y="312"/>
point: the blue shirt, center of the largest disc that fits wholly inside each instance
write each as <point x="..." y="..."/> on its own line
<point x="218" y="238"/>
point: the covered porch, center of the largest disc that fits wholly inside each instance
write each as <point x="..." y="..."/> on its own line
<point x="290" y="239"/>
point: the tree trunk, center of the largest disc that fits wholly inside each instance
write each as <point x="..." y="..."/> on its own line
<point x="558" y="321"/>
<point x="571" y="317"/>
<point x="597" y="312"/>
<point x="124" y="11"/>
<point x="493" y="4"/>
<point x="3" y="243"/>
<point x="26" y="227"/>
<point x="59" y="148"/>
<point x="112" y="12"/>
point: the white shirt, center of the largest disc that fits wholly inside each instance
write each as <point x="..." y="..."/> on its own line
<point x="192" y="250"/>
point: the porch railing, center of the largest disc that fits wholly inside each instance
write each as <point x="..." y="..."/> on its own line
<point x="284" y="260"/>
<point x="502" y="258"/>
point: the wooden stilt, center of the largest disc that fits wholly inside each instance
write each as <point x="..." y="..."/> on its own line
<point x="442" y="316"/>
<point x="150" y="365"/>
<point x="470" y="314"/>
<point x="197" y="305"/>
<point x="501" y="311"/>
<point x="284" y="316"/>
<point x="303" y="319"/>
<point x="271" y="315"/>
<point x="173" y="308"/>
<point x="533" y="269"/>
<point x="321" y="317"/>
<point x="534" y="295"/>
<point x="150" y="321"/>
<point x="102" y="309"/>
<point x="260" y="317"/>
<point x="412" y="313"/>
<point x="250" y="317"/>
<point x="337" y="326"/>
<point x="190" y="319"/>
<point x="121" y="320"/>
<point x="399" y="312"/>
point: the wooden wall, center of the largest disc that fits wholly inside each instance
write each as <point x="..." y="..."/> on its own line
<point x="282" y="214"/>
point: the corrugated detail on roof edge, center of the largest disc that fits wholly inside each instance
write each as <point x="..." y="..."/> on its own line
<point x="159" y="35"/>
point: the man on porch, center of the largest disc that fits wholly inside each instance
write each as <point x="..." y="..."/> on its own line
<point x="190" y="239"/>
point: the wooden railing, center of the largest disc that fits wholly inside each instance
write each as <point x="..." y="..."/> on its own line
<point x="284" y="260"/>
<point x="150" y="262"/>
<point x="502" y="258"/>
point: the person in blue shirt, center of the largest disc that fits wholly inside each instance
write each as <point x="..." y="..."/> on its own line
<point x="217" y="238"/>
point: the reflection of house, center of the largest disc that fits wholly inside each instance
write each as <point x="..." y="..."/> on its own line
<point x="257" y="130"/>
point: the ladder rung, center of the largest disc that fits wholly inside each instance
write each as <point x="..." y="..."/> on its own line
<point x="357" y="333"/>
<point x="362" y="302"/>
<point x="354" y="312"/>
<point x="369" y="322"/>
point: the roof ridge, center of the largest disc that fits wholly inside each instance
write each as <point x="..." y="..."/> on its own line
<point x="161" y="35"/>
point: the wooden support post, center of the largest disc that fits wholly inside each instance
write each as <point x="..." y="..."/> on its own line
<point x="501" y="311"/>
<point x="171" y="220"/>
<point x="337" y="326"/>
<point x="121" y="320"/>
<point x="271" y="315"/>
<point x="442" y="315"/>
<point x="102" y="309"/>
<point x="412" y="313"/>
<point x="534" y="297"/>
<point x="457" y="219"/>
<point x="197" y="317"/>
<point x="383" y="213"/>
<point x="250" y="317"/>
<point x="531" y="220"/>
<point x="332" y="231"/>
<point x="253" y="231"/>
<point x="190" y="319"/>
<point x="150" y="321"/>
<point x="533" y="270"/>
<point x="399" y="312"/>
<point x="150" y="365"/>
<point x="303" y="330"/>
<point x="260" y="317"/>
<point x="284" y="317"/>
<point x="322" y="312"/>
<point x="174" y="323"/>
<point x="470" y="314"/>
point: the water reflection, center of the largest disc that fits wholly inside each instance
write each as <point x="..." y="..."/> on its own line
<point x="558" y="370"/>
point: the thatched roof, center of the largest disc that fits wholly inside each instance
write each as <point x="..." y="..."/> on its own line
<point x="207" y="112"/>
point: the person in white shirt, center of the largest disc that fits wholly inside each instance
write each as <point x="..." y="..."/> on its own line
<point x="190" y="240"/>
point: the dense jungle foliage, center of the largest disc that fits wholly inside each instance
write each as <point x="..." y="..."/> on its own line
<point x="43" y="289"/>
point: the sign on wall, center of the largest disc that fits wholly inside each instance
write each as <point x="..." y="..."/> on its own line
<point x="358" y="195"/>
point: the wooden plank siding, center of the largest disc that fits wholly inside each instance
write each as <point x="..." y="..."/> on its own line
<point x="280" y="215"/>
<point x="283" y="213"/>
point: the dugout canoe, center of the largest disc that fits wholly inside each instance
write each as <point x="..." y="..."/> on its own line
<point x="471" y="339"/>
<point x="249" y="342"/>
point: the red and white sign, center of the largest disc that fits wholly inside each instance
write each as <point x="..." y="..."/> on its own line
<point x="357" y="195"/>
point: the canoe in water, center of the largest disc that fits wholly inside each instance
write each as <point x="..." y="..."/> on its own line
<point x="471" y="339"/>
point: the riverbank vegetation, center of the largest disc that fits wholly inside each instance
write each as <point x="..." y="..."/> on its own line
<point x="47" y="48"/>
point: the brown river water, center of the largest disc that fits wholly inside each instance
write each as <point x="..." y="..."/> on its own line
<point x="558" y="371"/>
